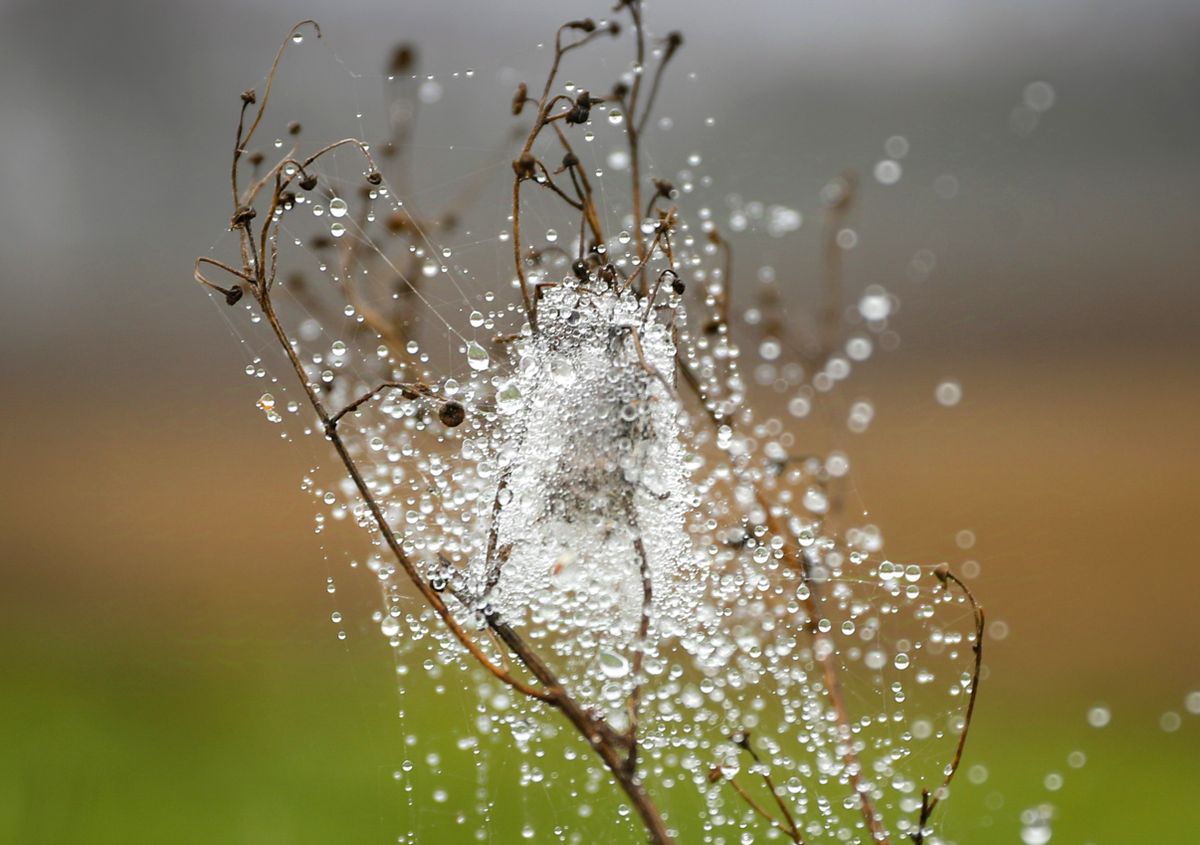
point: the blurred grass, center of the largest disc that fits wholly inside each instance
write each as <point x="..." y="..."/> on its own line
<point x="113" y="739"/>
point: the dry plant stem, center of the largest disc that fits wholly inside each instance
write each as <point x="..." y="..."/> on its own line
<point x="633" y="705"/>
<point x="607" y="744"/>
<point x="831" y="318"/>
<point x="431" y="595"/>
<point x="794" y="556"/>
<point x="541" y="120"/>
<point x="758" y="808"/>
<point x="632" y="129"/>
<point x="928" y="801"/>
<point x="779" y="802"/>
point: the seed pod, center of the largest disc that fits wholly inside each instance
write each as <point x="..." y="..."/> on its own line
<point x="674" y="41"/>
<point x="525" y="166"/>
<point x="452" y="414"/>
<point x="308" y="182"/>
<point x="375" y="177"/>
<point x="582" y="109"/>
<point x="243" y="216"/>
<point x="402" y="59"/>
<point x="518" y="100"/>
<point x="233" y="295"/>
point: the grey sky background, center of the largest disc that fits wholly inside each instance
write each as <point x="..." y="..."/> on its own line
<point x="116" y="119"/>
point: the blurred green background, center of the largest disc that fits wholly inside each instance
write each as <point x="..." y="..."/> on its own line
<point x="168" y="667"/>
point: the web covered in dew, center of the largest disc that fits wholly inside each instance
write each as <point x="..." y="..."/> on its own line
<point x="687" y="569"/>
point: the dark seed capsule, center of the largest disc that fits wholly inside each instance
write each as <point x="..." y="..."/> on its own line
<point x="518" y="100"/>
<point x="452" y="414"/>
<point x="233" y="295"/>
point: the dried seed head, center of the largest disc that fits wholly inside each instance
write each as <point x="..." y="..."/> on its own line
<point x="518" y="100"/>
<point x="243" y="216"/>
<point x="525" y="166"/>
<point x="585" y="25"/>
<point x="397" y="223"/>
<point x="452" y="414"/>
<point x="249" y="97"/>
<point x="375" y="177"/>
<point x="309" y="182"/>
<point x="403" y="58"/>
<point x="233" y="295"/>
<point x="294" y="127"/>
<point x="674" y="41"/>
<point x="582" y="109"/>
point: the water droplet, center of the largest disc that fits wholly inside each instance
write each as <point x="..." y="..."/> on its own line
<point x="337" y="230"/>
<point x="337" y="207"/>
<point x="875" y="305"/>
<point x="508" y="398"/>
<point x="477" y="357"/>
<point x="615" y="117"/>
<point x="887" y="172"/>
<point x="948" y="393"/>
<point x="1039" y="96"/>
<point x="563" y="372"/>
<point x="613" y="665"/>
<point x="1099" y="716"/>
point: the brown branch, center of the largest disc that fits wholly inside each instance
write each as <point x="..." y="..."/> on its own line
<point x="831" y="319"/>
<point x="752" y="803"/>
<point x="929" y="802"/>
<point x="639" y="648"/>
<point x="770" y="783"/>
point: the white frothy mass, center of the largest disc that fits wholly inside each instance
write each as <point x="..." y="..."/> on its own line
<point x="590" y="465"/>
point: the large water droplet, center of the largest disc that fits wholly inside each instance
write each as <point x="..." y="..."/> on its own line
<point x="477" y="357"/>
<point x="613" y="665"/>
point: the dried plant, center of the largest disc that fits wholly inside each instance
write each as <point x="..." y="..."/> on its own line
<point x="595" y="515"/>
